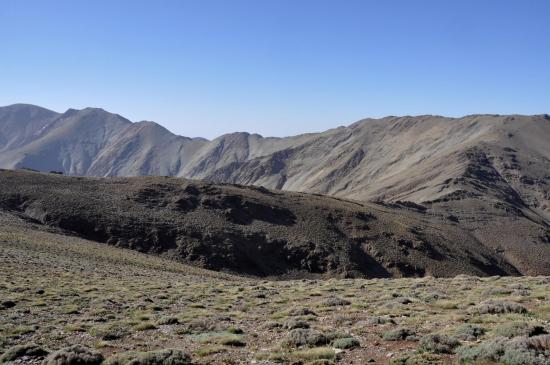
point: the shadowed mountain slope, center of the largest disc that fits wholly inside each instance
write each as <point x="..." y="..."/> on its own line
<point x="256" y="231"/>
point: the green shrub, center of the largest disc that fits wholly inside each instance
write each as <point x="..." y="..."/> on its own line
<point x="160" y="357"/>
<point x="201" y="325"/>
<point x="380" y="320"/>
<point x="301" y="312"/>
<point x="145" y="326"/>
<point x="315" y="354"/>
<point x="345" y="343"/>
<point x="515" y="329"/>
<point x="7" y="304"/>
<point x="517" y="351"/>
<point x="210" y="350"/>
<point x="334" y="302"/>
<point x="490" y="350"/>
<point x="423" y="358"/>
<point x="167" y="320"/>
<point x="305" y="337"/>
<point x="499" y="307"/>
<point x="110" y="332"/>
<point x="496" y="291"/>
<point x="468" y="332"/>
<point x="438" y="343"/>
<point x="333" y="335"/>
<point x="234" y="341"/>
<point x="234" y="330"/>
<point x="30" y="350"/>
<point x="74" y="355"/>
<point x="398" y="334"/>
<point x="295" y="323"/>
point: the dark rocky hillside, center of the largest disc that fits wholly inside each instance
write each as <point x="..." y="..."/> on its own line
<point x="255" y="231"/>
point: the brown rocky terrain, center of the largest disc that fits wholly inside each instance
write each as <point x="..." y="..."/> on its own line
<point x="255" y="231"/>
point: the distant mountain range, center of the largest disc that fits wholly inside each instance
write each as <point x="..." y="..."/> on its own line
<point x="488" y="173"/>
<point x="419" y="159"/>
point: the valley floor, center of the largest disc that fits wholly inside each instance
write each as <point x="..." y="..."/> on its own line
<point x="56" y="291"/>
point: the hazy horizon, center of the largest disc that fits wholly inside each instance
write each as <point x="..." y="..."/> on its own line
<point x="203" y="69"/>
<point x="347" y="124"/>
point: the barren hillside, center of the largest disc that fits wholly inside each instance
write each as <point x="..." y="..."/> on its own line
<point x="255" y="231"/>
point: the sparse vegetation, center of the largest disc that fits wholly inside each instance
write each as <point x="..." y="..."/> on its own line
<point x="305" y="337"/>
<point x="132" y="307"/>
<point x="518" y="328"/>
<point x="28" y="350"/>
<point x="500" y="307"/>
<point x="161" y="357"/>
<point x="76" y="354"/>
<point x="518" y="351"/>
<point x="345" y="343"/>
<point x="438" y="343"/>
<point x="399" y="334"/>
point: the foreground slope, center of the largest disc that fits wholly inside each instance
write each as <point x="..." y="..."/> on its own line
<point x="58" y="290"/>
<point x="256" y="231"/>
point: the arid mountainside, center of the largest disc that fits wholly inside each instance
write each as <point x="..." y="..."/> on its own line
<point x="419" y="159"/>
<point x="255" y="231"/>
<point x="486" y="175"/>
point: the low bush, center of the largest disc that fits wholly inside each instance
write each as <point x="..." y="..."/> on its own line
<point x="160" y="357"/>
<point x="399" y="334"/>
<point x="231" y="340"/>
<point x="303" y="311"/>
<point x="468" y="332"/>
<point x="110" y="332"/>
<point x="167" y="320"/>
<point x="201" y="325"/>
<point x="439" y="343"/>
<point x="234" y="330"/>
<point x="380" y="320"/>
<point x="334" y="335"/>
<point x="295" y="323"/>
<point x="145" y="326"/>
<point x="305" y="337"/>
<point x="16" y="352"/>
<point x="413" y="358"/>
<point x="320" y="353"/>
<point x="517" y="351"/>
<point x="345" y="343"/>
<point x="74" y="355"/>
<point x="7" y="304"/>
<point x="515" y="329"/>
<point x="334" y="302"/>
<point x="499" y="307"/>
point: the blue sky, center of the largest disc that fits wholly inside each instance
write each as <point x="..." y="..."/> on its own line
<point x="276" y="67"/>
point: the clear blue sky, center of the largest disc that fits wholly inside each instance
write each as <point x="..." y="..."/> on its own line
<point x="276" y="67"/>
